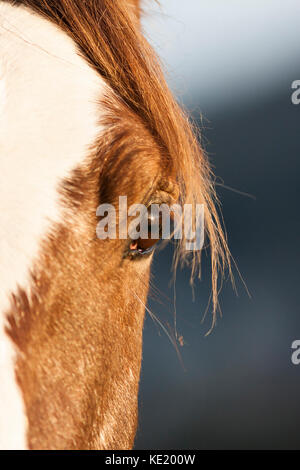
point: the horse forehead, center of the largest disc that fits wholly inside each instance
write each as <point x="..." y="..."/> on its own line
<point x="49" y="115"/>
<point x="49" y="119"/>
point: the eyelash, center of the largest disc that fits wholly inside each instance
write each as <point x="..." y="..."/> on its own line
<point x="138" y="253"/>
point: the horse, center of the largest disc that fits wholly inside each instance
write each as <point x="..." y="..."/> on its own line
<point x="86" y="116"/>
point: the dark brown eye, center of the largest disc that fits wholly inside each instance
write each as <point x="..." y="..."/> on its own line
<point x="145" y="246"/>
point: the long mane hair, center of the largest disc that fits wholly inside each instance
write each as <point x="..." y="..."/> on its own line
<point x="109" y="36"/>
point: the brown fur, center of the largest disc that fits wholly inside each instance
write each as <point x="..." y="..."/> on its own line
<point x="79" y="331"/>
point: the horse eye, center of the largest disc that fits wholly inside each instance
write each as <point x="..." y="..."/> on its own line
<point x="145" y="246"/>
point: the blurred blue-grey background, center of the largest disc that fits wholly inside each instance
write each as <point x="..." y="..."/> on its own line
<point x="232" y="63"/>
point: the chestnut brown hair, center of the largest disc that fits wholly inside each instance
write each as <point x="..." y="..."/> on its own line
<point x="109" y="36"/>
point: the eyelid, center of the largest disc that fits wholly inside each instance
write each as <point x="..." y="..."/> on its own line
<point x="135" y="254"/>
<point x="145" y="253"/>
